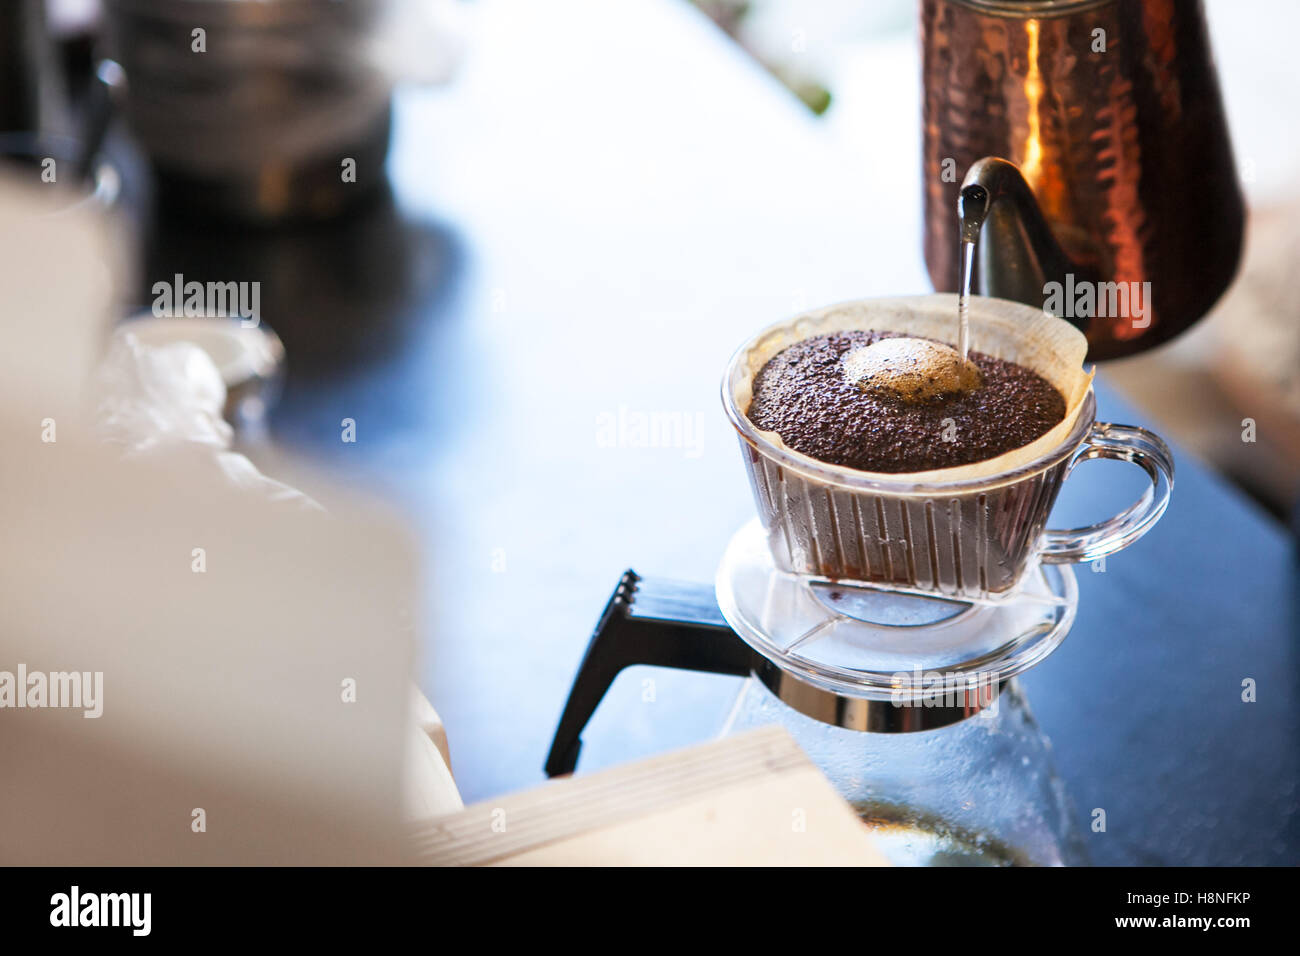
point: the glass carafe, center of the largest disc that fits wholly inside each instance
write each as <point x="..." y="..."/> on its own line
<point x="978" y="792"/>
<point x="946" y="766"/>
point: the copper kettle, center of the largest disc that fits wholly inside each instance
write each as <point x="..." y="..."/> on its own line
<point x="1096" y="154"/>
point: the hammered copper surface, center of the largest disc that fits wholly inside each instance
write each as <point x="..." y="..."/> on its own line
<point x="1127" y="150"/>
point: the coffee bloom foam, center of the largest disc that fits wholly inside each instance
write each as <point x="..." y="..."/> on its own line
<point x="916" y="370"/>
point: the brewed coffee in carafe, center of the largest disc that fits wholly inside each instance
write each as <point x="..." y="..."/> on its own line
<point x="980" y="792"/>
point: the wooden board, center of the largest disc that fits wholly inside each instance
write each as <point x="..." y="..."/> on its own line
<point x="754" y="799"/>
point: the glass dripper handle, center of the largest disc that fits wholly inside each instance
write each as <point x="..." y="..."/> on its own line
<point x="1122" y="443"/>
<point x="647" y="621"/>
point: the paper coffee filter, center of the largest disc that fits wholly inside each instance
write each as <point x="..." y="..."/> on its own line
<point x="1007" y="330"/>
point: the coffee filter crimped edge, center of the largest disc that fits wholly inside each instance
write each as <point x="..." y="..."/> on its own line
<point x="1007" y="330"/>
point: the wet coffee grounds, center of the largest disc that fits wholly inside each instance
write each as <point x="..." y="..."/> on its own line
<point x="802" y="394"/>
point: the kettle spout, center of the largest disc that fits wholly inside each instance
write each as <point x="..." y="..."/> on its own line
<point x="1016" y="253"/>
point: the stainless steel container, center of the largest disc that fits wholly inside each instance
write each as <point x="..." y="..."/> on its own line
<point x="248" y="109"/>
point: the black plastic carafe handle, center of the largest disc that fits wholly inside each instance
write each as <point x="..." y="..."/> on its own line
<point x="647" y="621"/>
